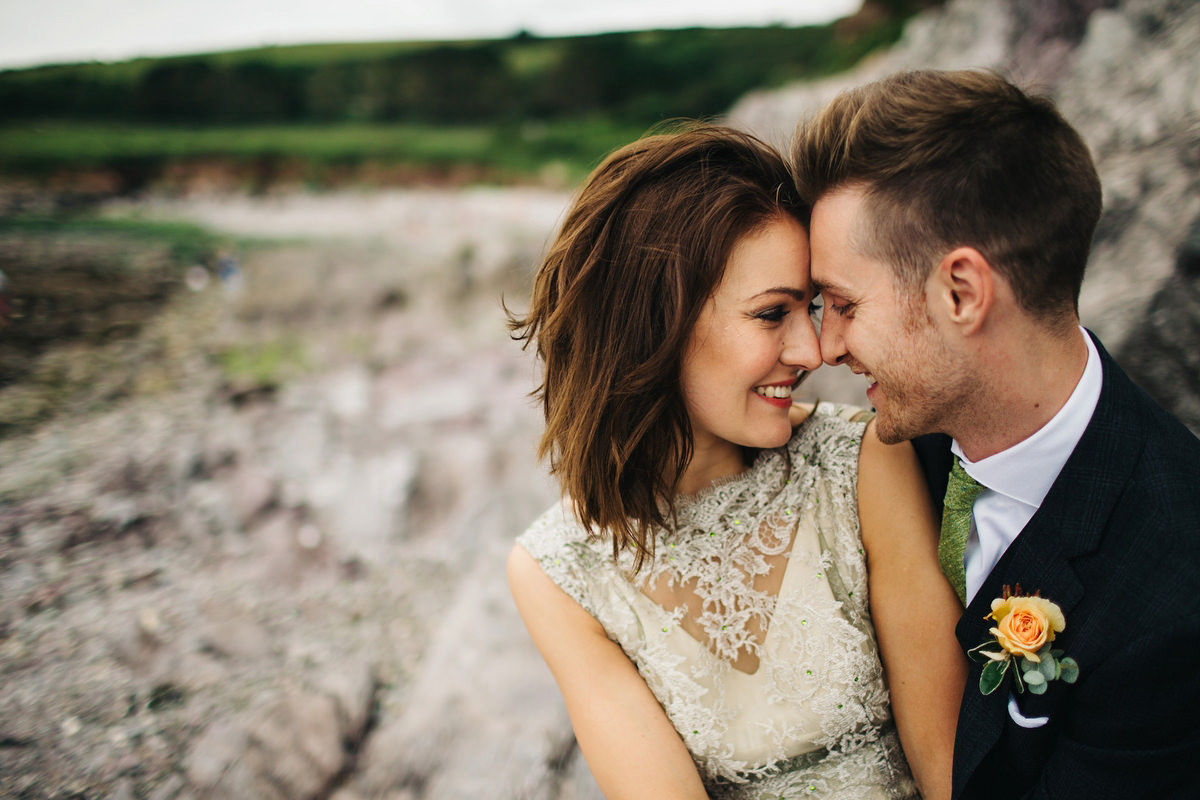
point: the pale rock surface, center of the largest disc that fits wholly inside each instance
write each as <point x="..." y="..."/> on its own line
<point x="293" y="747"/>
<point x="1125" y="74"/>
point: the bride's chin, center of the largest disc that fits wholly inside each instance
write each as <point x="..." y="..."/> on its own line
<point x="776" y="439"/>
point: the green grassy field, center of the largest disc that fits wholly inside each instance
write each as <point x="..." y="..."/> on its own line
<point x="184" y="243"/>
<point x="501" y="150"/>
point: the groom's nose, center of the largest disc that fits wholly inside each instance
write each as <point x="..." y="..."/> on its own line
<point x="833" y="346"/>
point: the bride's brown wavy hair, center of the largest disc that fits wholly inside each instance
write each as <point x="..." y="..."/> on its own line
<point x="642" y="248"/>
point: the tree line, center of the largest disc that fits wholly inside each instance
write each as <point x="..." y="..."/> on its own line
<point x="637" y="76"/>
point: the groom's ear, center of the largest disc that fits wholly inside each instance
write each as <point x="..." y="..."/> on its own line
<point x="964" y="288"/>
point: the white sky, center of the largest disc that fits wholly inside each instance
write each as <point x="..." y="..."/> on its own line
<point x="56" y="31"/>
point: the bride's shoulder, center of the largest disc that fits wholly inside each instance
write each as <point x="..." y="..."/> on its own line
<point x="560" y="543"/>
<point x="560" y="517"/>
<point x="801" y="413"/>
<point x="827" y="433"/>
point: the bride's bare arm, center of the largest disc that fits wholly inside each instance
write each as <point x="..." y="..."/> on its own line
<point x="914" y="608"/>
<point x="629" y="743"/>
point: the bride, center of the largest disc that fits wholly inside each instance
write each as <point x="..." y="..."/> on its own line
<point x="701" y="591"/>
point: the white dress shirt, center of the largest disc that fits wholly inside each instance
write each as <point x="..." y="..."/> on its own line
<point x="1016" y="480"/>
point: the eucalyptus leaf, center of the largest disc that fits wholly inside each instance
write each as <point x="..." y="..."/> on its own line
<point x="1038" y="688"/>
<point x="1048" y="667"/>
<point x="992" y="676"/>
<point x="1034" y="677"/>
<point x="1070" y="670"/>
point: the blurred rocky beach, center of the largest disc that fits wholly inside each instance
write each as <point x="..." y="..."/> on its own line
<point x="247" y="581"/>
<point x="256" y="551"/>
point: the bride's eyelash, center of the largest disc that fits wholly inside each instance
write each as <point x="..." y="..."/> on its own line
<point x="772" y="314"/>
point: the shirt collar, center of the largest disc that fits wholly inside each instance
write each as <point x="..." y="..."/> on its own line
<point x="1027" y="470"/>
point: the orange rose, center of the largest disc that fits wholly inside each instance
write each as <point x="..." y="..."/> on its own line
<point x="1025" y="624"/>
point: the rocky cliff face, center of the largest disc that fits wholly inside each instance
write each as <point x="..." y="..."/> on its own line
<point x="1126" y="75"/>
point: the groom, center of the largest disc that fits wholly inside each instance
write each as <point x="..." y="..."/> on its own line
<point x="952" y="220"/>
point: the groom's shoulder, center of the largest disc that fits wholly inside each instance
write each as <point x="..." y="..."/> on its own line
<point x="1157" y="508"/>
<point x="1168" y="451"/>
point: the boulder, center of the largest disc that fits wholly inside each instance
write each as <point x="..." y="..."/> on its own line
<point x="1125" y="75"/>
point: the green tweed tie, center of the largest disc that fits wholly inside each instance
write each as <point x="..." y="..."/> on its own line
<point x="961" y="491"/>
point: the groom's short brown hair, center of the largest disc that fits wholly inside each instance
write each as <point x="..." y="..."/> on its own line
<point x="960" y="158"/>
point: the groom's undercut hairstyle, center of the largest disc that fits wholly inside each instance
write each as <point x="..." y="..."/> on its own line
<point x="960" y="158"/>
<point x="642" y="248"/>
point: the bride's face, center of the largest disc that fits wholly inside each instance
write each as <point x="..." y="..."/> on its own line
<point x="753" y="339"/>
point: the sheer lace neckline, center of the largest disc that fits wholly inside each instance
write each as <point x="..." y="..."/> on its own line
<point x="718" y="569"/>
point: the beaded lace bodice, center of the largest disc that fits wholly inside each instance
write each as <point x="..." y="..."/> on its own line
<point x="750" y="623"/>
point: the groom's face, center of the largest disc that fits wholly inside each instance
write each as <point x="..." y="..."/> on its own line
<point x="871" y="327"/>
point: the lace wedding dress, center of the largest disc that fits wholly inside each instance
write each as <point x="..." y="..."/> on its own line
<point x="750" y="623"/>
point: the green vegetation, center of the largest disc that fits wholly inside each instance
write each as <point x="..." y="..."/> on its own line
<point x="503" y="150"/>
<point x="262" y="366"/>
<point x="506" y="107"/>
<point x="641" y="76"/>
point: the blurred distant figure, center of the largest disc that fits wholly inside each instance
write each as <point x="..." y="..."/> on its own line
<point x="229" y="273"/>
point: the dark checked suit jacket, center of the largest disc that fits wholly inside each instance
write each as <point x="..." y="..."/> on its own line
<point x="1116" y="544"/>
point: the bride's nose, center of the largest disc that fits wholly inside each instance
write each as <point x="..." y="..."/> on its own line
<point x="801" y="347"/>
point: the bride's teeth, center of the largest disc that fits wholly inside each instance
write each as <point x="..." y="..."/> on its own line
<point x="778" y="392"/>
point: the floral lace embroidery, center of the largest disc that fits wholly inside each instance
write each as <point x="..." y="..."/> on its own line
<point x="767" y="564"/>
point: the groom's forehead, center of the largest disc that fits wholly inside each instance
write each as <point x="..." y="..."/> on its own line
<point x="834" y="220"/>
<point x="830" y="262"/>
<point x="827" y="283"/>
<point x="837" y="263"/>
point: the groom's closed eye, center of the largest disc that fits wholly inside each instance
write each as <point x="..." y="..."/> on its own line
<point x="837" y="304"/>
<point x="842" y="309"/>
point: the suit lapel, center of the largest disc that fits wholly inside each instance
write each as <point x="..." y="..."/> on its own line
<point x="1068" y="524"/>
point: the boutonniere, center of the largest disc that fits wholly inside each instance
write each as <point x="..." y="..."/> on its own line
<point x="1025" y="630"/>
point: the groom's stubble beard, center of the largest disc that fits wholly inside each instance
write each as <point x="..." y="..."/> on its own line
<point x="922" y="386"/>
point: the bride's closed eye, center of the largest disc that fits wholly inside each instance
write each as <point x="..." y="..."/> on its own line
<point x="772" y="314"/>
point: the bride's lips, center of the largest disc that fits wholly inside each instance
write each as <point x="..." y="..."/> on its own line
<point x="777" y="394"/>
